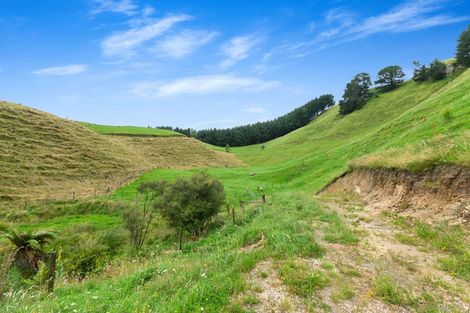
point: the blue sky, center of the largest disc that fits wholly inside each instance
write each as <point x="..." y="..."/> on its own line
<point x="208" y="63"/>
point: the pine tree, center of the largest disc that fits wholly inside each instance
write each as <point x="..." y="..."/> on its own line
<point x="420" y="73"/>
<point x="463" y="48"/>
<point x="356" y="93"/>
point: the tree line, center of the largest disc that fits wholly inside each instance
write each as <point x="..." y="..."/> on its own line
<point x="262" y="131"/>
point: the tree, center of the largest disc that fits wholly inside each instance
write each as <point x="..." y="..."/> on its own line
<point x="137" y="220"/>
<point x="463" y="48"/>
<point x="437" y="70"/>
<point x="356" y="93"/>
<point x="189" y="203"/>
<point x="390" y="77"/>
<point x="420" y="72"/>
<point x="29" y="248"/>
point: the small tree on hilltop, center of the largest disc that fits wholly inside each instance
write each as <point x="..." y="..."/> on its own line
<point x="437" y="70"/>
<point x="189" y="203"/>
<point x="463" y="48"/>
<point x="420" y="72"/>
<point x="356" y="93"/>
<point x="390" y="77"/>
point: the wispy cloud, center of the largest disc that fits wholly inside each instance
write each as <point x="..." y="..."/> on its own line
<point x="201" y="85"/>
<point x="62" y="70"/>
<point x="340" y="26"/>
<point x="126" y="7"/>
<point x="238" y="48"/>
<point x="255" y="109"/>
<point x="408" y="16"/>
<point x="123" y="44"/>
<point x="184" y="43"/>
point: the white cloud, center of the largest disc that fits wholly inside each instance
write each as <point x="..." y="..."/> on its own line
<point x="184" y="43"/>
<point x="237" y="49"/>
<point x="122" y="44"/>
<point x="409" y="16"/>
<point x="62" y="70"/>
<point x="201" y="85"/>
<point x="126" y="7"/>
<point x="255" y="109"/>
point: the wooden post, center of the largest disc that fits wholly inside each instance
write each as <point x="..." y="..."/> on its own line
<point x="233" y="215"/>
<point x="228" y="209"/>
<point x="109" y="190"/>
<point x="51" y="274"/>
<point x="180" y="239"/>
<point x="263" y="198"/>
<point x="73" y="195"/>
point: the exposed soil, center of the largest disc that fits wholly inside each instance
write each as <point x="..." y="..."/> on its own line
<point x="380" y="253"/>
<point x="442" y="193"/>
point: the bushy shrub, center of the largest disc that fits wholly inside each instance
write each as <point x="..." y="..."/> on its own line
<point x="189" y="203"/>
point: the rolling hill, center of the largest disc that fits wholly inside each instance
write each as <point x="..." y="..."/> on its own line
<point x="46" y="157"/>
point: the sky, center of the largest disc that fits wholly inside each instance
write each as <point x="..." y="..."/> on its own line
<point x="208" y="63"/>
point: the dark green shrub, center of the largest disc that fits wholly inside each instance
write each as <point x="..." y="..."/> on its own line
<point x="190" y="203"/>
<point x="437" y="70"/>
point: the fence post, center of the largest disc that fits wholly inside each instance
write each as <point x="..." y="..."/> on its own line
<point x="73" y="195"/>
<point x="263" y="198"/>
<point x="52" y="268"/>
<point x="233" y="215"/>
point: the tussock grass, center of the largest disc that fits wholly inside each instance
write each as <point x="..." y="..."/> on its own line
<point x="387" y="289"/>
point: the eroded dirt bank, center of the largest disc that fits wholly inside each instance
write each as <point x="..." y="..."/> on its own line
<point x="442" y="193"/>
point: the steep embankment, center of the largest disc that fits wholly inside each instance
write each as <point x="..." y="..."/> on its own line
<point x="43" y="156"/>
<point x="443" y="191"/>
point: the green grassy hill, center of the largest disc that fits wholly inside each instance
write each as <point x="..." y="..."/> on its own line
<point x="317" y="254"/>
<point x="130" y="130"/>
<point x="46" y="157"/>
<point x="413" y="127"/>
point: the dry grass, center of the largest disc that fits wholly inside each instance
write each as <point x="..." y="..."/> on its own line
<point x="46" y="157"/>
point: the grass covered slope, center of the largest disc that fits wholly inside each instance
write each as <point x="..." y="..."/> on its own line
<point x="43" y="156"/>
<point x="130" y="130"/>
<point x="413" y="127"/>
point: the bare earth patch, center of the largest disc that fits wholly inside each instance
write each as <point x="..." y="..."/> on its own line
<point x="413" y="278"/>
<point x="271" y="294"/>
